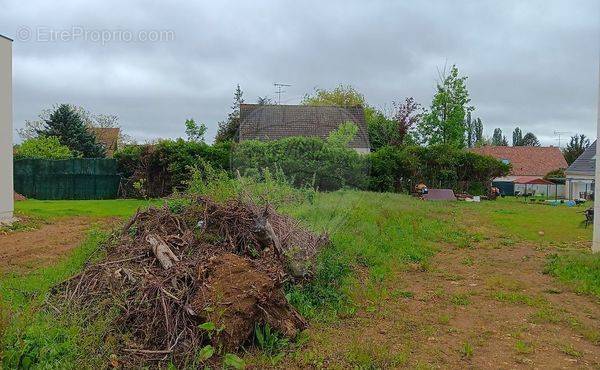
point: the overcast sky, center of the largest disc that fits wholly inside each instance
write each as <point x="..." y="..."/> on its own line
<point x="534" y="65"/>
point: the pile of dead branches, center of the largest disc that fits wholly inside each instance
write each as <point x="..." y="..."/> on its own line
<point x="167" y="273"/>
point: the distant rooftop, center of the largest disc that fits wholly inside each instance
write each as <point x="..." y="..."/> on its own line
<point x="273" y="122"/>
<point x="526" y="160"/>
<point x="4" y="37"/>
<point x="585" y="164"/>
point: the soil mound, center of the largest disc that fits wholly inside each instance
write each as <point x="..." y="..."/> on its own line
<point x="236" y="293"/>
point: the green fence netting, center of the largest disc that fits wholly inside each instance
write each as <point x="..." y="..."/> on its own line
<point x="87" y="178"/>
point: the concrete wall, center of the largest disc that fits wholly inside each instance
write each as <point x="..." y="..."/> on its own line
<point x="6" y="131"/>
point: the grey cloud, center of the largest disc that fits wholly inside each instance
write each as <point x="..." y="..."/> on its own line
<point x="532" y="63"/>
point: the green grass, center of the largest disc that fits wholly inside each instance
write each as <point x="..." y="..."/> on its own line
<point x="559" y="224"/>
<point x="467" y="350"/>
<point x="580" y="270"/>
<point x="32" y="334"/>
<point x="373" y="235"/>
<point x="519" y="298"/>
<point x="523" y="347"/>
<point x="373" y="232"/>
<point x="50" y="209"/>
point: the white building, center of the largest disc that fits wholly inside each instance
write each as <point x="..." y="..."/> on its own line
<point x="580" y="176"/>
<point x="6" y="131"/>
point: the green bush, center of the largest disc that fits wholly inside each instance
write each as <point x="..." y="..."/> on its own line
<point x="305" y="161"/>
<point x="166" y="166"/>
<point x="439" y="166"/>
<point x="44" y="147"/>
<point x="219" y="186"/>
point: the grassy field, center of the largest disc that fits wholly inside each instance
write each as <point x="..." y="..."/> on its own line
<point x="49" y="209"/>
<point x="375" y="236"/>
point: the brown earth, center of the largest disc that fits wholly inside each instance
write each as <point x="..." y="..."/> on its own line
<point x="22" y="251"/>
<point x="235" y="294"/>
<point x="486" y="307"/>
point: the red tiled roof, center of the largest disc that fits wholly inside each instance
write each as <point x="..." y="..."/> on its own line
<point x="527" y="160"/>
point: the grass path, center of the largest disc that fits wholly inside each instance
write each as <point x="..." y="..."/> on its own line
<point x="483" y="307"/>
<point x="482" y="299"/>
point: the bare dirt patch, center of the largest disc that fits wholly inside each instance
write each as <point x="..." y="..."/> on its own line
<point x="490" y="306"/>
<point x="24" y="250"/>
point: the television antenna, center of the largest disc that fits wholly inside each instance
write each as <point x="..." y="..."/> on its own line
<point x="560" y="133"/>
<point x="280" y="90"/>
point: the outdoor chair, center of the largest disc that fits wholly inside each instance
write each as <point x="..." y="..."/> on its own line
<point x="589" y="216"/>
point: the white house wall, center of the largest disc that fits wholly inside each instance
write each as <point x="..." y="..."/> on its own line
<point x="6" y="155"/>
<point x="576" y="186"/>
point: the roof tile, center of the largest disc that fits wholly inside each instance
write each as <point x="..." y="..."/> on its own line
<point x="527" y="160"/>
<point x="273" y="122"/>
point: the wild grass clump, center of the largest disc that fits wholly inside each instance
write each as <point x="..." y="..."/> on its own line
<point x="579" y="269"/>
<point x="38" y="334"/>
<point x="262" y="188"/>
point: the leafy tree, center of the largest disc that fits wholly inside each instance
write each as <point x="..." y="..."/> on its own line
<point x="341" y="96"/>
<point x="530" y="140"/>
<point x="382" y="130"/>
<point x="343" y="135"/>
<point x="556" y="176"/>
<point x="478" y="138"/>
<point x="444" y="123"/>
<point x="100" y="120"/>
<point x="408" y="114"/>
<point x="474" y="131"/>
<point x="576" y="146"/>
<point x="66" y="124"/>
<point x="46" y="147"/>
<point x="470" y="126"/>
<point x="194" y="131"/>
<point x="229" y="130"/>
<point x="517" y="137"/>
<point x="498" y="139"/>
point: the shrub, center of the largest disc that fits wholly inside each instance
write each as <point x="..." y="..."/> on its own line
<point x="443" y="166"/>
<point x="219" y="186"/>
<point x="45" y="147"/>
<point x="166" y="166"/>
<point x="305" y="161"/>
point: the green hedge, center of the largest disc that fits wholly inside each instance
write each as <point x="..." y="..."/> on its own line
<point x="305" y="161"/>
<point x="441" y="166"/>
<point x="156" y="170"/>
<point x="159" y="169"/>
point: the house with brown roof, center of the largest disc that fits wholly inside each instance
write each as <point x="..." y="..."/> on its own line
<point x="273" y="122"/>
<point x="107" y="136"/>
<point x="529" y="165"/>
